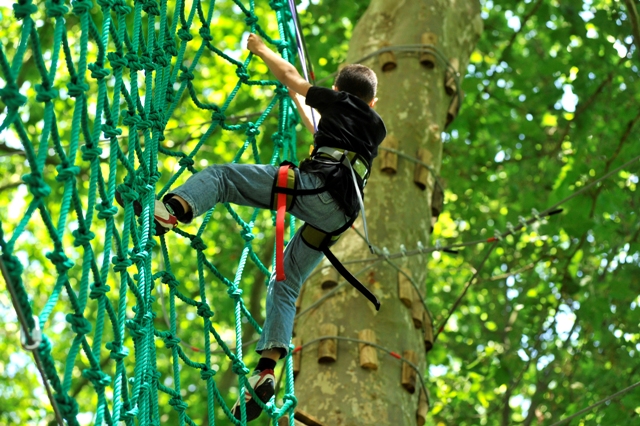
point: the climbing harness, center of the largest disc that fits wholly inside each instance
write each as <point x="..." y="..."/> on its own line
<point x="283" y="195"/>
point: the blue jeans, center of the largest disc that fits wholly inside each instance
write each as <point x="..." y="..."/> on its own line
<point x="250" y="185"/>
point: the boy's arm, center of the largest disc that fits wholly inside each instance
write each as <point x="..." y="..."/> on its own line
<point x="305" y="111"/>
<point x="286" y="73"/>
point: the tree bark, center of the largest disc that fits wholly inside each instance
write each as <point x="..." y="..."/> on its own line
<point x="414" y="105"/>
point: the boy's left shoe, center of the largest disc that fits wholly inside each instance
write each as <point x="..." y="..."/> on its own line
<point x="263" y="384"/>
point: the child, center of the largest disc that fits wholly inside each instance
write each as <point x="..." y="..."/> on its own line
<point x="347" y="123"/>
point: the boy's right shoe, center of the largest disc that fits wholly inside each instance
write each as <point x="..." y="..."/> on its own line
<point x="164" y="220"/>
<point x="263" y="384"/>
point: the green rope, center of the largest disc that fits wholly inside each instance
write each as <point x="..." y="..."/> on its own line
<point x="124" y="55"/>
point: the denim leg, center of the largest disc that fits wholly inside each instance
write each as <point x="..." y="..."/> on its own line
<point x="243" y="184"/>
<point x="299" y="261"/>
<point x="250" y="185"/>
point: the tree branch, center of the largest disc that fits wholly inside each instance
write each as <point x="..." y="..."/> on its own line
<point x="635" y="27"/>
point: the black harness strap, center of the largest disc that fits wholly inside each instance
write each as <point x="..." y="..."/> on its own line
<point x="320" y="240"/>
<point x="316" y="238"/>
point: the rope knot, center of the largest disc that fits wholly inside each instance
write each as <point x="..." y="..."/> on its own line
<point x="185" y="74"/>
<point x="97" y="377"/>
<point x="184" y="34"/>
<point x="77" y="89"/>
<point x="198" y="244"/>
<point x="66" y="172"/>
<point x="238" y="367"/>
<point x="11" y="97"/>
<point x="36" y="185"/>
<point x="136" y="329"/>
<point x="131" y="60"/>
<point x="90" y="153"/>
<point x="186" y="162"/>
<point x="278" y="140"/>
<point x="78" y="7"/>
<point x="204" y="311"/>
<point x="98" y="72"/>
<point x="97" y="291"/>
<point x="252" y="130"/>
<point x="127" y="193"/>
<point x="82" y="237"/>
<point x="120" y="7"/>
<point x="106" y="210"/>
<point x="246" y="234"/>
<point x="218" y="117"/>
<point x="242" y="73"/>
<point x="45" y="94"/>
<point x="171" y="341"/>
<point x="207" y="373"/>
<point x="62" y="262"/>
<point x="281" y="45"/>
<point x="151" y="7"/>
<point x="116" y="60"/>
<point x="120" y="264"/>
<point x="131" y="119"/>
<point x="234" y="292"/>
<point x="251" y="20"/>
<point x="170" y="279"/>
<point x="205" y="33"/>
<point x="118" y="352"/>
<point x="147" y="62"/>
<point x="160" y="57"/>
<point x="282" y="91"/>
<point x="79" y="324"/>
<point x="24" y="9"/>
<point x="55" y="8"/>
<point x="178" y="404"/>
<point x="157" y="120"/>
<point x="67" y="405"/>
<point x="292" y="398"/>
<point x="105" y="4"/>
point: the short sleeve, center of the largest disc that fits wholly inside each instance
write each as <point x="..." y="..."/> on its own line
<point x="321" y="97"/>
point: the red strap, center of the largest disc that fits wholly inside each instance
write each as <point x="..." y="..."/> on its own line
<point x="283" y="174"/>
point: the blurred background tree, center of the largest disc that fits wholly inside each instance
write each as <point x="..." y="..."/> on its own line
<point x="551" y="325"/>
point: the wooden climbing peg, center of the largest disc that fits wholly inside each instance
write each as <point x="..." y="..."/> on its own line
<point x="450" y="77"/>
<point x="297" y="342"/>
<point x="408" y="373"/>
<point x="328" y="348"/>
<point x="437" y="202"/>
<point x="423" y="409"/>
<point x="428" y="332"/>
<point x="421" y="174"/>
<point x="452" y="113"/>
<point x="368" y="354"/>
<point x="428" y="58"/>
<point x="417" y="310"/>
<point x="387" y="60"/>
<point x="388" y="159"/>
<point x="405" y="288"/>
<point x="329" y="278"/>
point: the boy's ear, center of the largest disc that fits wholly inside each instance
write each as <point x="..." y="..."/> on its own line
<point x="334" y="87"/>
<point x="373" y="102"/>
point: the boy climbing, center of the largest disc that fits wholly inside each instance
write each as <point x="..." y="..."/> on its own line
<point x="325" y="195"/>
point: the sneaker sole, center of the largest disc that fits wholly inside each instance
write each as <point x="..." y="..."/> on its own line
<point x="137" y="210"/>
<point x="265" y="391"/>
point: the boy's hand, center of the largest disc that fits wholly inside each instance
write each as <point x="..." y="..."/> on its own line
<point x="255" y="44"/>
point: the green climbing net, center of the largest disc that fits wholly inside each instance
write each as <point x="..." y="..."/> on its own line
<point x="129" y="68"/>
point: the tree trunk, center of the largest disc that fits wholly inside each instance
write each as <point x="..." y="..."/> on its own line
<point x="414" y="104"/>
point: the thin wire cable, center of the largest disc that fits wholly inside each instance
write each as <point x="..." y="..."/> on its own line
<point x="377" y="346"/>
<point x="592" y="406"/>
<point x="29" y="340"/>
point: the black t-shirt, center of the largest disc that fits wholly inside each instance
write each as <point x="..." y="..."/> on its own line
<point x="349" y="123"/>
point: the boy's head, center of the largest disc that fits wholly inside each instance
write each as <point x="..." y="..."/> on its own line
<point x="359" y="81"/>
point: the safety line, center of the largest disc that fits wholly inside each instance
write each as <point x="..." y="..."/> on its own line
<point x="592" y="406"/>
<point x="31" y="344"/>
